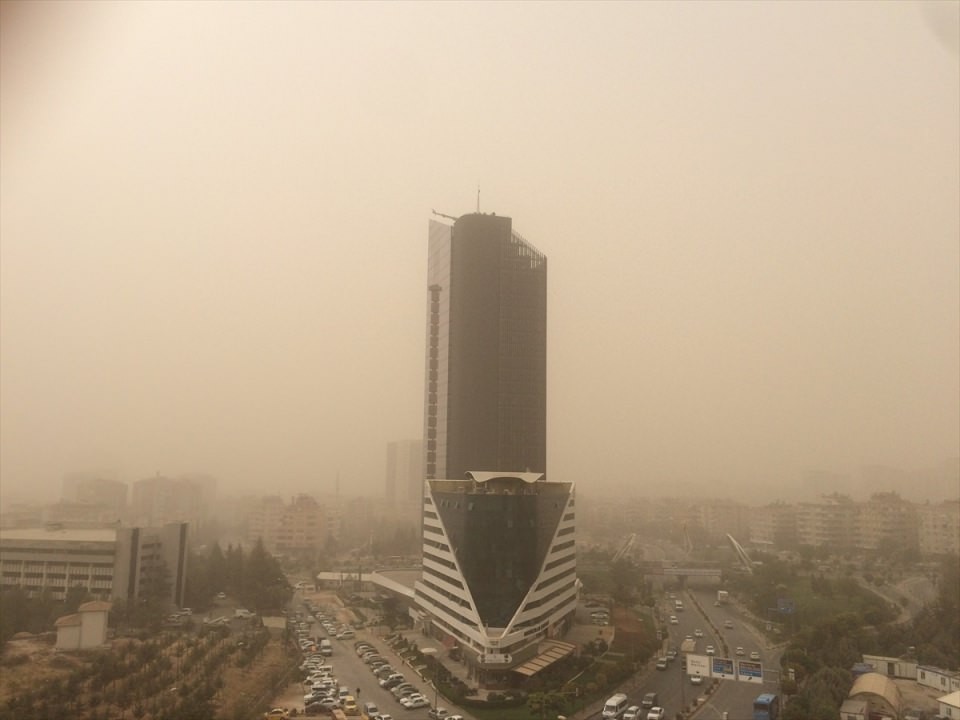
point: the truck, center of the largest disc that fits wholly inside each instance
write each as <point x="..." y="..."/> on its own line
<point x="723" y="597"/>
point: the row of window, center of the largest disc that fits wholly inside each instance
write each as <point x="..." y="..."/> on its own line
<point x="447" y="594"/>
<point x="446" y="609"/>
<point x="559" y="562"/>
<point x="445" y="578"/>
<point x="435" y="544"/>
<point x="439" y="560"/>
<point x="547" y="598"/>
<point x="544" y="616"/>
<point x="556" y="578"/>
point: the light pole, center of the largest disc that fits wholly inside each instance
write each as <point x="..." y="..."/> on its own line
<point x="432" y="652"/>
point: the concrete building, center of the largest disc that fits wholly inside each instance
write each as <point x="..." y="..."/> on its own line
<point x="85" y="629"/>
<point x="774" y="525"/>
<point x="939" y="528"/>
<point x="111" y="563"/>
<point x="295" y="528"/>
<point x="828" y="523"/>
<point x="160" y="500"/>
<point x="405" y="471"/>
<point x="110" y="495"/>
<point x="886" y="521"/>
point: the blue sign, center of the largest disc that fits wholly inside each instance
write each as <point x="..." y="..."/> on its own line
<point x="749" y="671"/>
<point x="722" y="668"/>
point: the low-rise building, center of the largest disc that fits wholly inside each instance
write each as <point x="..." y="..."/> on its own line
<point x="109" y="562"/>
<point x="84" y="629"/>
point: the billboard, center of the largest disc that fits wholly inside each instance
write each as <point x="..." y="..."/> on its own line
<point x="749" y="671"/>
<point x="698" y="665"/>
<point x="722" y="668"/>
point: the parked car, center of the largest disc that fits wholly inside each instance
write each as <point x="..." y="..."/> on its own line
<point x="673" y="620"/>
<point x="438" y="713"/>
<point x="728" y="624"/>
<point x="696" y="679"/>
<point x="754" y="655"/>
<point x="698" y="633"/>
<point x="657" y="713"/>
<point x="662" y="664"/>
<point x="649" y="700"/>
<point x="415" y="701"/>
<point x="632" y="713"/>
<point x="710" y="650"/>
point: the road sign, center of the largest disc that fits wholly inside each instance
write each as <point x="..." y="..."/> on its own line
<point x="698" y="665"/>
<point x="722" y="668"/>
<point x="749" y="671"/>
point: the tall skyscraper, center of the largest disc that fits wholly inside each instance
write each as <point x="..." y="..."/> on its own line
<point x="499" y="553"/>
<point x="404" y="471"/>
<point x="486" y="384"/>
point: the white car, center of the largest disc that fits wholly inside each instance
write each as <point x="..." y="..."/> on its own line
<point x="696" y="679"/>
<point x="754" y="655"/>
<point x="632" y="713"/>
<point x="412" y="702"/>
<point x="698" y="632"/>
<point x="710" y="650"/>
<point x="739" y="651"/>
<point x="673" y="620"/>
<point x="656" y="713"/>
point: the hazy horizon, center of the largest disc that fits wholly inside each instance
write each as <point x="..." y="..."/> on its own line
<point x="213" y="234"/>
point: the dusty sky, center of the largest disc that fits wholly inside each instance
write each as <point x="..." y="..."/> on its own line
<point x="214" y="224"/>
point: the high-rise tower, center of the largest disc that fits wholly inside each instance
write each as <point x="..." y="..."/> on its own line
<point x="499" y="553"/>
<point x="486" y="383"/>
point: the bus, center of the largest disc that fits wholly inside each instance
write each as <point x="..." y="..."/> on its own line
<point x="766" y="707"/>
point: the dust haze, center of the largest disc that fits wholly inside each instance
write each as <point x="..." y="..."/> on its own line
<point x="213" y="225"/>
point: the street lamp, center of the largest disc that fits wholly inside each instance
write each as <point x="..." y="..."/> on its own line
<point x="432" y="652"/>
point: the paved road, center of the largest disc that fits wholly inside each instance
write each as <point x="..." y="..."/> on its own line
<point x="736" y="698"/>
<point x="351" y="672"/>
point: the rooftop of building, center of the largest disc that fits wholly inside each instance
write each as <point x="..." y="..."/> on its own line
<point x="59" y="534"/>
<point x="485" y="483"/>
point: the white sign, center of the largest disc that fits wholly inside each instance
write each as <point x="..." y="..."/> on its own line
<point x="698" y="665"/>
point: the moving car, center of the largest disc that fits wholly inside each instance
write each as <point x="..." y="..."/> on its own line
<point x="673" y="620"/>
<point x="696" y="679"/>
<point x="754" y="655"/>
<point x="728" y="624"/>
<point x="698" y="633"/>
<point x="657" y="713"/>
<point x="662" y="664"/>
<point x="739" y="650"/>
<point x="649" y="700"/>
<point x="710" y="650"/>
<point x="632" y="713"/>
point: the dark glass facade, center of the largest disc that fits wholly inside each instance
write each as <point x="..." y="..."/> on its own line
<point x="486" y="400"/>
<point x="500" y="534"/>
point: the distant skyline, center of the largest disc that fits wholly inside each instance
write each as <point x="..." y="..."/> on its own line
<point x="213" y="219"/>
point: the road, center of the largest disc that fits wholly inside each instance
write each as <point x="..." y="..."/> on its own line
<point x="351" y="672"/>
<point x="735" y="698"/>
